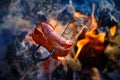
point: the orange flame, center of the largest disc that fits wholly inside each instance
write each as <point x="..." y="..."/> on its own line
<point x="58" y="27"/>
<point x="90" y="37"/>
<point x="80" y="45"/>
<point x="78" y="14"/>
<point x="113" y="30"/>
<point x="72" y="25"/>
<point x="53" y="22"/>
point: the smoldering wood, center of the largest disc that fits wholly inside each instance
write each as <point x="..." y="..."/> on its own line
<point x="112" y="51"/>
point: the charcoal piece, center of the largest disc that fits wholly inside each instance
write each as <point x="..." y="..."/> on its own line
<point x="37" y="18"/>
<point x="117" y="4"/>
<point x="42" y="18"/>
<point x="79" y="1"/>
<point x="65" y="16"/>
<point x="3" y="3"/>
<point x="89" y="57"/>
<point x="21" y="35"/>
<point x="25" y="6"/>
<point x="60" y="74"/>
<point x="106" y="18"/>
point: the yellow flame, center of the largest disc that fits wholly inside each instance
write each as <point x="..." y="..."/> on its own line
<point x="80" y="45"/>
<point x="113" y="30"/>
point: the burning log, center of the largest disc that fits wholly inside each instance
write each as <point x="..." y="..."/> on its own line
<point x="112" y="50"/>
<point x="90" y="46"/>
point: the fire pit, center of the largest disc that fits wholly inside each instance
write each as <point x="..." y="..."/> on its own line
<point x="59" y="40"/>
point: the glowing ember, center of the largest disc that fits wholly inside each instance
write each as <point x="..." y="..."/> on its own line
<point x="72" y="25"/>
<point x="113" y="30"/>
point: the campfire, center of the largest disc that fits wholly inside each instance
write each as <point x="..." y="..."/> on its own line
<point x="56" y="40"/>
